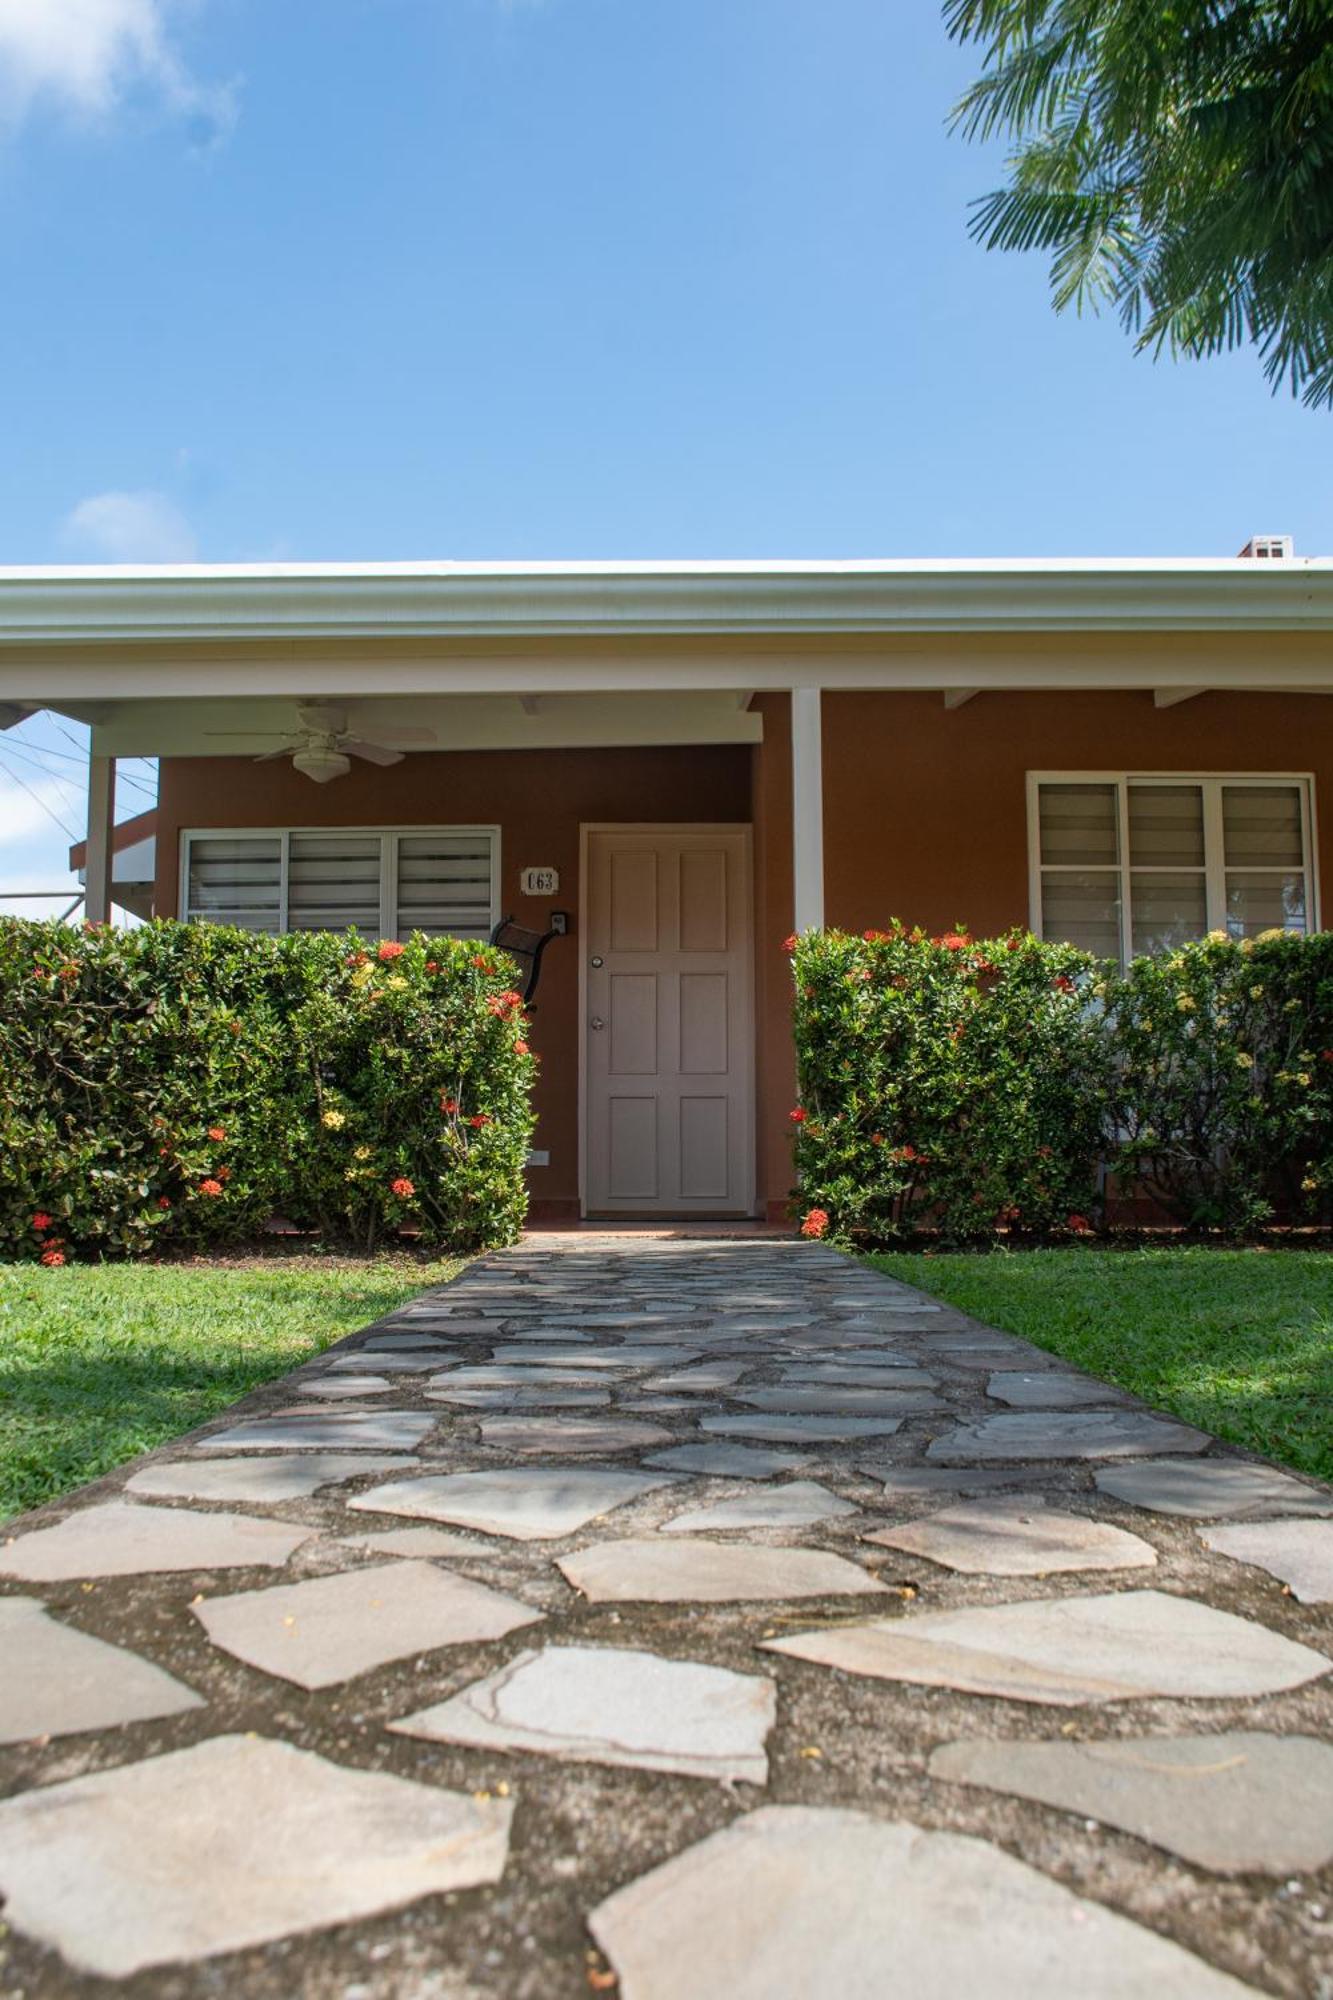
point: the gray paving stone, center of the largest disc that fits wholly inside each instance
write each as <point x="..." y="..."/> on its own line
<point x="707" y="1378"/>
<point x="415" y="1542"/>
<point x="521" y="1399"/>
<point x="696" y="1572"/>
<point x="1298" y="1553"/>
<point x="1050" y="1389"/>
<point x="158" y="1861"/>
<point x="791" y="1506"/>
<point x="385" y="1362"/>
<point x="789" y="1400"/>
<point x="791" y="1902"/>
<point x="268" y="1481"/>
<point x="727" y="1461"/>
<point x="613" y="1706"/>
<point x="58" y="1680"/>
<point x="601" y="1357"/>
<point x="340" y="1430"/>
<point x="1206" y="1487"/>
<point x="349" y="1386"/>
<point x="1055" y="1434"/>
<point x="569" y="1437"/>
<point x="1234" y="1803"/>
<point x="1069" y="1650"/>
<point x="834" y="1375"/>
<point x="499" y="1375"/>
<point x="1018" y="1535"/>
<point x="331" y="1628"/>
<point x="924" y="1482"/>
<point x="119" y="1539"/>
<point x="528" y="1503"/>
<point x="400" y="1343"/>
<point x="801" y="1429"/>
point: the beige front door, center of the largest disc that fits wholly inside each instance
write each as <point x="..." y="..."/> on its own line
<point x="669" y="1063"/>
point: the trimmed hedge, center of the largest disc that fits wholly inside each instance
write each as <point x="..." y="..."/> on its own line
<point x="185" y="1083"/>
<point x="964" y="1087"/>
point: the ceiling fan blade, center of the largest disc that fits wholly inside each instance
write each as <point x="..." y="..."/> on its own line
<point x="271" y="756"/>
<point x="243" y="735"/>
<point x="374" y="753"/>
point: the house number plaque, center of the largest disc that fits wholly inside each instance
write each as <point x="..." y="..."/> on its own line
<point x="539" y="881"/>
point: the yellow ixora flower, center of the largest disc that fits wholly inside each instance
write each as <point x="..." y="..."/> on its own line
<point x="1186" y="1003"/>
<point x="1256" y="993"/>
<point x="335" y="1120"/>
<point x="1247" y="946"/>
<point x="1266" y="937"/>
<point x="361" y="1153"/>
<point x="1310" y="1184"/>
<point x="396" y="984"/>
<point x="1245" y="1061"/>
<point x="1303" y="1077"/>
<point x="1217" y="937"/>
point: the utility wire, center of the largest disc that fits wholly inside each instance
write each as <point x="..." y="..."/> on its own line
<point x="19" y="779"/>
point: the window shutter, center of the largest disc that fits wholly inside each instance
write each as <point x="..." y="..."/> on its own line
<point x="333" y="882"/>
<point x="444" y="884"/>
<point x="235" y="879"/>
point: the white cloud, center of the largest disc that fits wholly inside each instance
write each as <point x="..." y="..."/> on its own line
<point x="89" y="55"/>
<point x="25" y="815"/>
<point x="144" y="527"/>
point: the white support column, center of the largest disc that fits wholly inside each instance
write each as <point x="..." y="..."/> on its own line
<point x="101" y="818"/>
<point x="807" y="808"/>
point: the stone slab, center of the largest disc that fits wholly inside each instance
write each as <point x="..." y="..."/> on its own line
<point x="1233" y="1803"/>
<point x="267" y="1481"/>
<point x="338" y="1387"/>
<point x="1298" y="1553"/>
<point x="386" y="1361"/>
<point x="791" y="1902"/>
<point x="521" y="1399"/>
<point x="499" y="1375"/>
<point x="340" y="1430"/>
<point x="120" y="1539"/>
<point x="415" y="1542"/>
<point x="525" y="1502"/>
<point x="923" y="1482"/>
<point x="569" y="1437"/>
<point x="1203" y="1488"/>
<point x="601" y="1357"/>
<point x="608" y="1705"/>
<point x="698" y="1572"/>
<point x="703" y="1380"/>
<point x="726" y="1461"/>
<point x="1056" y="1434"/>
<point x="801" y="1429"/>
<point x="1050" y="1389"/>
<point x="1018" y="1535"/>
<point x="1066" y="1651"/>
<point x="331" y="1628"/>
<point x="58" y="1681"/>
<point x="794" y="1505"/>
<point x="791" y="1400"/>
<point x="156" y="1862"/>
<point x="832" y="1375"/>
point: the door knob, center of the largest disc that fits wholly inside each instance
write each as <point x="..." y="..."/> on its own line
<point x="597" y="1022"/>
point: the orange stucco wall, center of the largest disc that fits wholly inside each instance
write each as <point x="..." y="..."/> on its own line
<point x="538" y="799"/>
<point x="925" y="819"/>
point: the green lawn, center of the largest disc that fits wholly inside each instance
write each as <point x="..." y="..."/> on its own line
<point x="1239" y="1342"/>
<point x="100" y="1362"/>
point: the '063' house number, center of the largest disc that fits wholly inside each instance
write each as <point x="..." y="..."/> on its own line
<point x="539" y="881"/>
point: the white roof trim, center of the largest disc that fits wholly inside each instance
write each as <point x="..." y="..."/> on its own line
<point x="254" y="601"/>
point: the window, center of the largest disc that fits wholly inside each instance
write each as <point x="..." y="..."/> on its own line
<point x="1123" y="865"/>
<point x="383" y="882"/>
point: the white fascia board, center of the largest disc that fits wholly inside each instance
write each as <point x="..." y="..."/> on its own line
<point x="485" y="600"/>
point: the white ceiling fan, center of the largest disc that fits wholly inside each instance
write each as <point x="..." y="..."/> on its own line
<point x="325" y="744"/>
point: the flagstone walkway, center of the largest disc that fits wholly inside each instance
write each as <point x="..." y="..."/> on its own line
<point x="677" y="1619"/>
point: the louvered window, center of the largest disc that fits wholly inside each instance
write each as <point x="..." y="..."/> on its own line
<point x="381" y="881"/>
<point x="1123" y="865"/>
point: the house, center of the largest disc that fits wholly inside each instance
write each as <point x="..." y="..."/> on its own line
<point x="689" y="761"/>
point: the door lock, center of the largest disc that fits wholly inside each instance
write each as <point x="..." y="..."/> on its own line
<point x="597" y="1022"/>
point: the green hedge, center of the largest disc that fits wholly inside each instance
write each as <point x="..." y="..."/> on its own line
<point x="963" y="1086"/>
<point x="186" y="1083"/>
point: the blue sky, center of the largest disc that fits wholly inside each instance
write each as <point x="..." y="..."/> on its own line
<point x="395" y="278"/>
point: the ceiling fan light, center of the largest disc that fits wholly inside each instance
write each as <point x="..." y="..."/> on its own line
<point x="321" y="765"/>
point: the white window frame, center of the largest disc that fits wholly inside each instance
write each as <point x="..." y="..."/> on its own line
<point x="388" y="837"/>
<point x="1213" y="851"/>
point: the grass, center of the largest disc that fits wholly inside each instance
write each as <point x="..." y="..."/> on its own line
<point x="101" y="1362"/>
<point x="1238" y="1342"/>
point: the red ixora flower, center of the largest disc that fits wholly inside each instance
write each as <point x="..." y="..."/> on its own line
<point x="432" y="965"/>
<point x="790" y="943"/>
<point x="217" y="1131"/>
<point x="501" y="1004"/>
<point x="210" y="1187"/>
<point x="389" y="949"/>
<point x="41" y="1220"/>
<point x="52" y="1256"/>
<point x="816" y="1223"/>
<point x="478" y="1119"/>
<point x="1063" y="983"/>
<point x="520" y="1048"/>
<point x="798" y="1116"/>
<point x="1079" y="1224"/>
<point x="876" y="937"/>
<point x="953" y="940"/>
<point x="482" y="963"/>
<point x="163" y="1202"/>
<point x="355" y="958"/>
<point x="403" y="1188"/>
<point x="449" y="1105"/>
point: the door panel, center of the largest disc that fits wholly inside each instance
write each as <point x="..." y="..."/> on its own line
<point x="668" y="1071"/>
